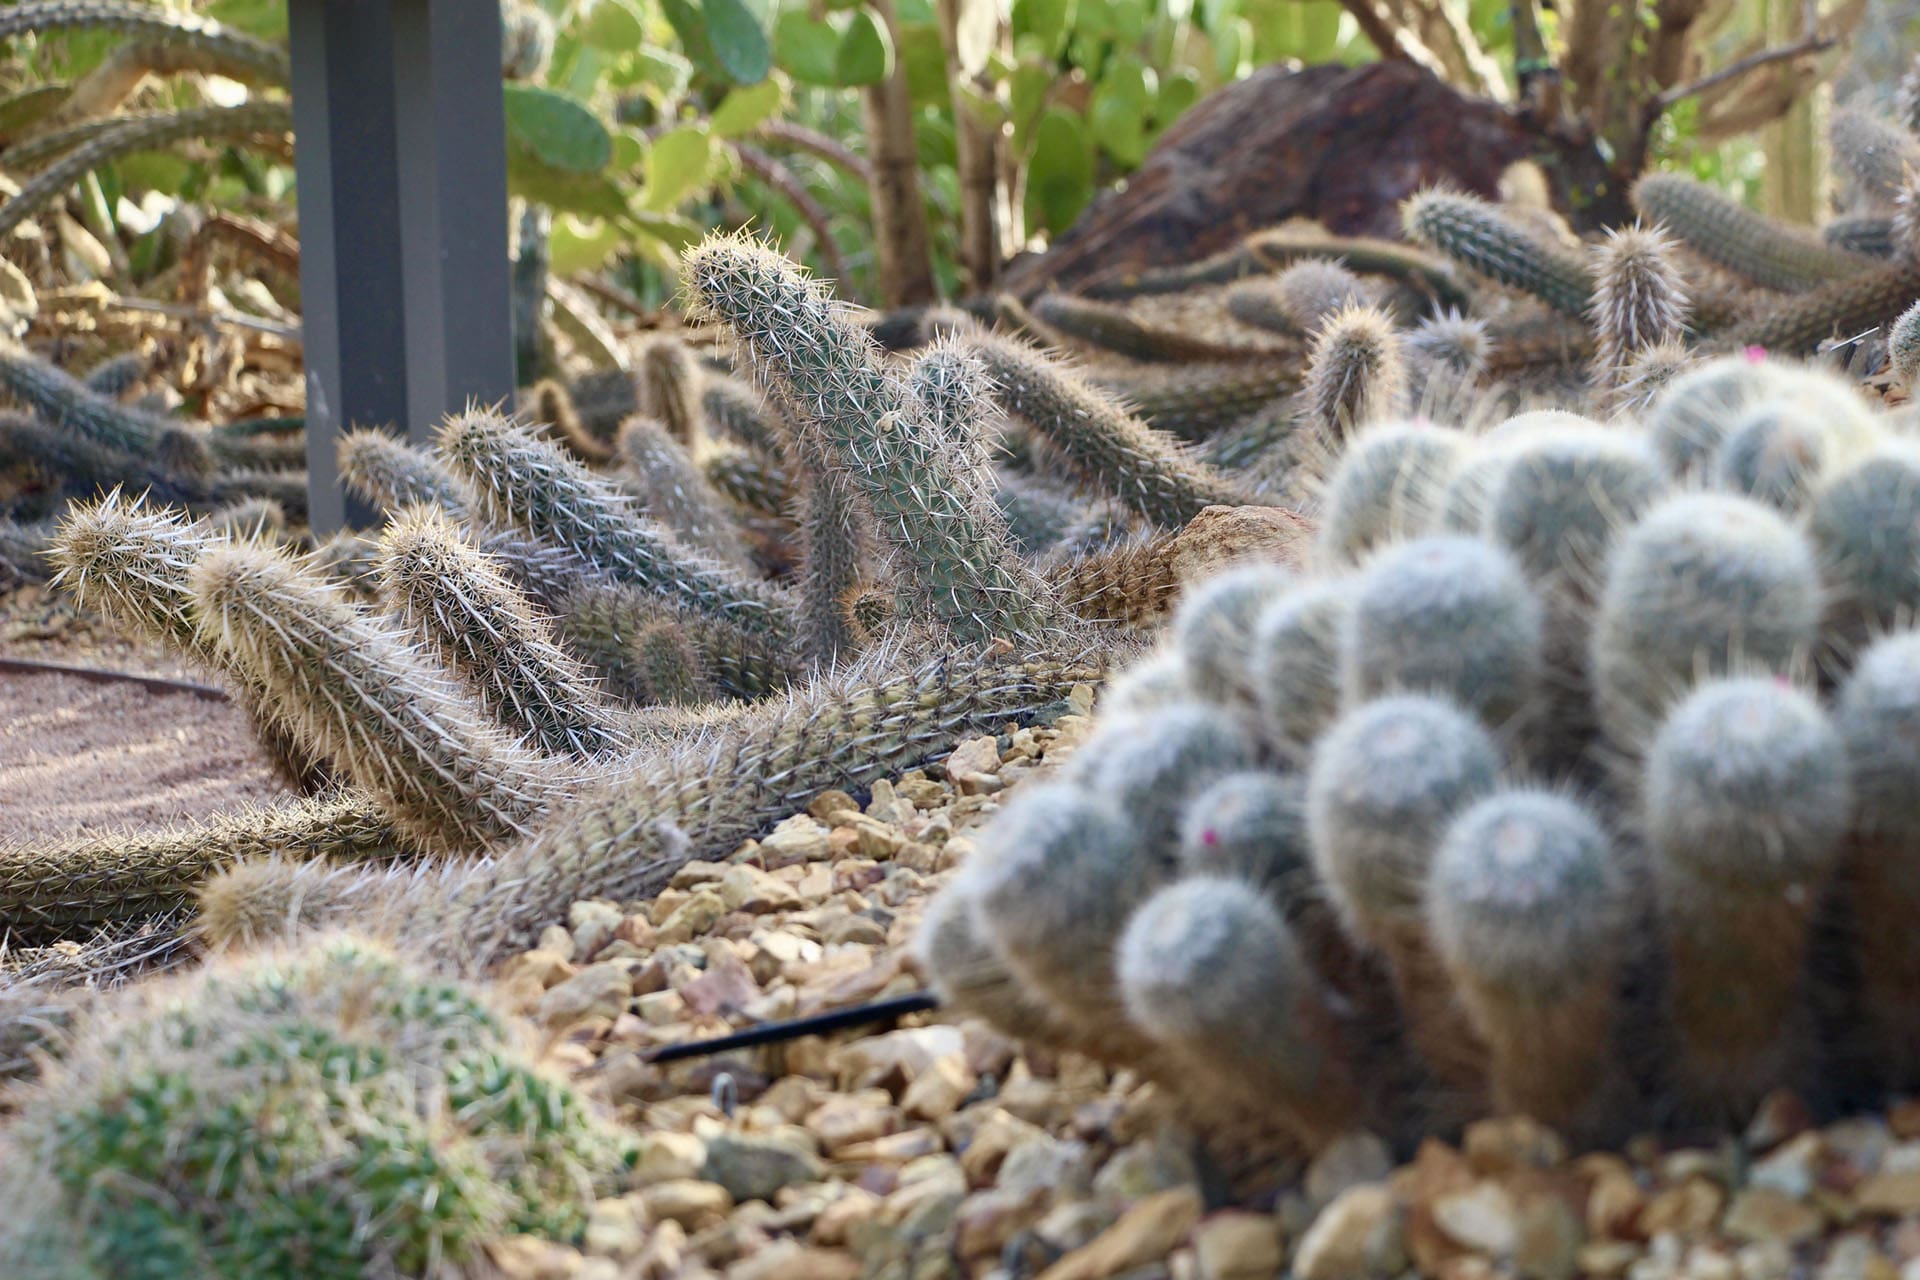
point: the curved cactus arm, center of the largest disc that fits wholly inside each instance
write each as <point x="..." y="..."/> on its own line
<point x="245" y="56"/>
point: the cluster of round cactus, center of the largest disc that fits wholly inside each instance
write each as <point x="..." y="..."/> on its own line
<point x="327" y="1112"/>
<point x="1578" y="775"/>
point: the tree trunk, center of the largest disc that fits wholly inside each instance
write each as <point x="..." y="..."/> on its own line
<point x="899" y="217"/>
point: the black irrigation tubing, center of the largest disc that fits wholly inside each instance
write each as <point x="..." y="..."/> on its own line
<point x="794" y="1028"/>
<point x="102" y="676"/>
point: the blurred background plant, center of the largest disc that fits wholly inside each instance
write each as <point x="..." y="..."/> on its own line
<point x="909" y="148"/>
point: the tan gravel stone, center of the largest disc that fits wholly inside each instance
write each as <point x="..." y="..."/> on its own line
<point x="693" y="1204"/>
<point x="1237" y="1246"/>
<point x="1357" y="1237"/>
<point x="1144" y="1233"/>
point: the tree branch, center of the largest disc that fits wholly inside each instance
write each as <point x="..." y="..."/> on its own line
<point x="1815" y="43"/>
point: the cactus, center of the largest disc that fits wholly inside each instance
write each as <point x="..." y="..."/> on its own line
<point x="85" y="881"/>
<point x="755" y="481"/>
<point x="1298" y="300"/>
<point x="1721" y="230"/>
<point x="1213" y="622"/>
<point x="956" y="952"/>
<point x="1649" y="373"/>
<point x="116" y="375"/>
<point x="1448" y="351"/>
<point x="1197" y="401"/>
<point x="1746" y="800"/>
<point x="528" y="483"/>
<point x="1479" y="235"/>
<point x="1384" y="783"/>
<point x="1869" y="548"/>
<point x="1210" y="971"/>
<point x="245" y="57"/>
<point x="1687" y="421"/>
<point x="1530" y="914"/>
<point x="604" y="621"/>
<point x="740" y="414"/>
<point x="1389" y="483"/>
<point x="674" y="491"/>
<point x="1560" y="497"/>
<point x="671" y="389"/>
<point x="602" y="399"/>
<point x="1877" y="713"/>
<point x="1906" y="100"/>
<point x="1639" y="299"/>
<point x="1251" y="827"/>
<point x="550" y="407"/>
<point x="931" y="512"/>
<point x="407" y="1128"/>
<point x="1843" y="307"/>
<point x="697" y="799"/>
<point x="24" y="550"/>
<point x="1107" y="327"/>
<point x="1153" y="767"/>
<point x="1071" y="868"/>
<point x="1776" y="455"/>
<point x="1867" y="234"/>
<point x="247" y="120"/>
<point x="1444" y="615"/>
<point x="388" y="474"/>
<point x="359" y="693"/>
<point x="1703" y="585"/>
<point x="65" y="402"/>
<point x="1294" y="659"/>
<point x="1355" y="373"/>
<point x="478" y="625"/>
<point x="1424" y="273"/>
<point x="1903" y="351"/>
<point x="77" y="464"/>
<point x="1875" y="156"/>
<point x="1111" y="452"/>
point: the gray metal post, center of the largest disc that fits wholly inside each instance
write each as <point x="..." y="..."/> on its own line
<point x="400" y="143"/>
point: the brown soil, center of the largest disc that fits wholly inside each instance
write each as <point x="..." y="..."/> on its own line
<point x="79" y="756"/>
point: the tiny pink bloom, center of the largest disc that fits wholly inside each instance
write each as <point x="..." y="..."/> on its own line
<point x="1755" y="354"/>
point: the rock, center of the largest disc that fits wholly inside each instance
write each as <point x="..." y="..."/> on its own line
<point x="756" y="1167"/>
<point x="752" y="890"/>
<point x="666" y="1156"/>
<point x="851" y="1208"/>
<point x="1145" y="1168"/>
<point x="993" y="1138"/>
<point x="1894" y="1194"/>
<point x="542" y="967"/>
<point x="1347" y="1161"/>
<point x="1482" y="1219"/>
<point x="842" y="1120"/>
<point x="1687" y="1210"/>
<point x="615" y="1228"/>
<point x="1145" y="1233"/>
<point x="828" y="806"/>
<point x="1782" y="1114"/>
<point x="886" y="804"/>
<point x="1508" y="1143"/>
<point x="592" y="923"/>
<point x="874" y="838"/>
<point x="1760" y="1214"/>
<point x="1792" y="1168"/>
<point x="857" y="929"/>
<point x="692" y="918"/>
<point x="791" y="1260"/>
<point x="974" y="767"/>
<point x="1056" y="1165"/>
<point x="1548" y="1246"/>
<point x="1357" y="1237"/>
<point x="910" y="1052"/>
<point x="1237" y="1246"/>
<point x="725" y="986"/>
<point x="987" y="1220"/>
<point x="895" y="1148"/>
<point x="796" y="839"/>
<point x="1614" y="1205"/>
<point x="597" y="991"/>
<point x="661" y="1008"/>
<point x="530" y="1258"/>
<point x="938" y="1091"/>
<point x="555" y="939"/>
<point x="693" y="1204"/>
<point x="1860" y="1143"/>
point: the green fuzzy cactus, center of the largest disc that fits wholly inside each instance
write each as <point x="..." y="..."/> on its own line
<point x="1445" y="615"/>
<point x="1747" y="797"/>
<point x="361" y="694"/>
<point x="1841" y="308"/>
<point x="1478" y="234"/>
<point x="1213" y="623"/>
<point x="328" y="1112"/>
<point x="1906" y="100"/>
<point x="1687" y="421"/>
<point x="526" y="482"/>
<point x="1153" y="767"/>
<point x="1209" y="970"/>
<point x="931" y="511"/>
<point x="956" y="951"/>
<point x="480" y="626"/>
<point x="1874" y="156"/>
<point x="753" y="480"/>
<point x="1106" y="327"/>
<point x="1108" y="450"/>
<point x="1293" y="658"/>
<point x="1868" y="545"/>
<point x="603" y="399"/>
<point x="742" y="415"/>
<point x="1197" y="401"/>
<point x="1704" y="585"/>
<point x="550" y="410"/>
<point x="117" y="375"/>
<point x="1531" y="914"/>
<point x="603" y="622"/>
<point x="1252" y="827"/>
<point x="1561" y="497"/>
<point x="1724" y="231"/>
<point x="66" y="402"/>
<point x="1867" y="234"/>
<point x="1388" y="483"/>
<point x="672" y="386"/>
<point x="1356" y="375"/>
<point x="385" y="472"/>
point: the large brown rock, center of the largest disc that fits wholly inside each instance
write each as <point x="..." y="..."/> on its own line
<point x="1340" y="145"/>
